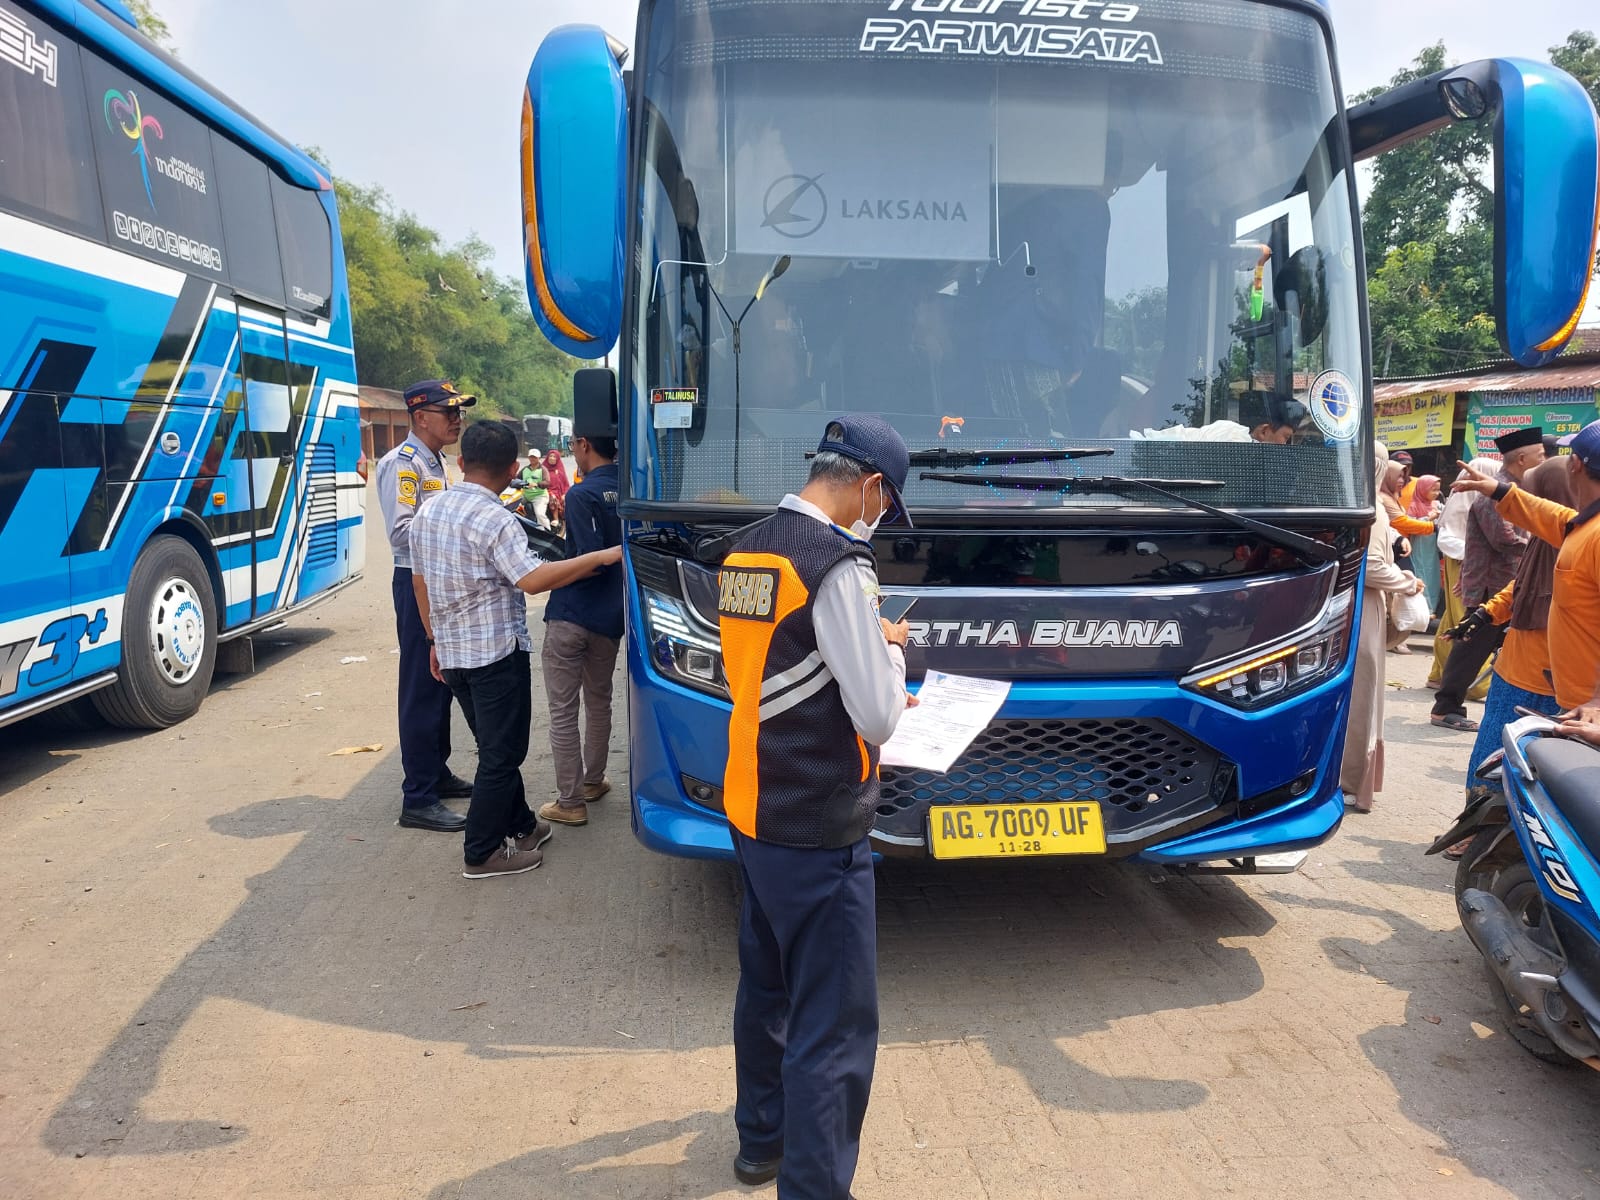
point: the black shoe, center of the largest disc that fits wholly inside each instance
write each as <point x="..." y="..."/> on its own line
<point x="435" y="817"/>
<point x="753" y="1174"/>
<point x="452" y="787"/>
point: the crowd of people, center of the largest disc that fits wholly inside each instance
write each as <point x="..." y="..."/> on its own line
<point x="1518" y="573"/>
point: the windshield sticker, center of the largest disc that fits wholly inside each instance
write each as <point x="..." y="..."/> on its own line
<point x="670" y="414"/>
<point x="966" y="33"/>
<point x="811" y="177"/>
<point x="1335" y="406"/>
<point x="674" y="395"/>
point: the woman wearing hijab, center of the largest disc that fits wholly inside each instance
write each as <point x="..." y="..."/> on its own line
<point x="1361" y="770"/>
<point x="1425" y="506"/>
<point x="1452" y="542"/>
<point x="556" y="472"/>
<point x="1392" y="480"/>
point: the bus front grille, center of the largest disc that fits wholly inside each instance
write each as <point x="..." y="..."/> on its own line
<point x="1146" y="775"/>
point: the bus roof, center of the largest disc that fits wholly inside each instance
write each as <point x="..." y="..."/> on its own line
<point x="109" y="27"/>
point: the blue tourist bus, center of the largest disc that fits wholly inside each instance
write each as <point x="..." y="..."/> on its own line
<point x="1100" y="264"/>
<point x="179" y="432"/>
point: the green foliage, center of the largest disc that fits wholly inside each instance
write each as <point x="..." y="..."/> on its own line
<point x="1428" y="232"/>
<point x="151" y="24"/>
<point x="1579" y="56"/>
<point x="423" y="310"/>
<point x="1427" y="228"/>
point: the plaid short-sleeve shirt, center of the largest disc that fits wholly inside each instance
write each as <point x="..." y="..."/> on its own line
<point x="471" y="552"/>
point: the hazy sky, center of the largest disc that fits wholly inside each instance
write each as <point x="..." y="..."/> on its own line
<point x="423" y="97"/>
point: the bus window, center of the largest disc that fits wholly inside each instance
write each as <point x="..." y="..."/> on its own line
<point x="155" y="172"/>
<point x="248" y="230"/>
<point x="46" y="159"/>
<point x="306" y="245"/>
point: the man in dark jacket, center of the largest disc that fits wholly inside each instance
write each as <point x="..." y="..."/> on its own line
<point x="582" y="632"/>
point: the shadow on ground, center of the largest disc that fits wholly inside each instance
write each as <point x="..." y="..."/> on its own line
<point x="1512" y="1119"/>
<point x="365" y="926"/>
<point x="30" y="750"/>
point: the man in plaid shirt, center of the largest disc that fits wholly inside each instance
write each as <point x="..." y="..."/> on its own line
<point x="472" y="573"/>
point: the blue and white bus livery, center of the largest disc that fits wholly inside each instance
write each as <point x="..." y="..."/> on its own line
<point x="178" y="420"/>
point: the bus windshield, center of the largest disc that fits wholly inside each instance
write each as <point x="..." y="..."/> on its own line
<point x="1008" y="226"/>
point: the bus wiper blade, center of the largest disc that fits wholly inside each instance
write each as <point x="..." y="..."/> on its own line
<point x="1287" y="538"/>
<point x="1068" y="483"/>
<point x="941" y="457"/>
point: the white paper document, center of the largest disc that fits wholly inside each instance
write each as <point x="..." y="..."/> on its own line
<point x="951" y="711"/>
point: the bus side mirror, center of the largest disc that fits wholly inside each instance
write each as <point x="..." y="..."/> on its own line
<point x="1546" y="187"/>
<point x="574" y="184"/>
<point x="1547" y="184"/>
<point x="594" y="403"/>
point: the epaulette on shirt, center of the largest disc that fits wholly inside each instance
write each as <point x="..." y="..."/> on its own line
<point x="407" y="451"/>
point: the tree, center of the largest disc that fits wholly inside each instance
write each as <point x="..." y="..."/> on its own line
<point x="151" y="24"/>
<point x="423" y="309"/>
<point x="1428" y="232"/>
<point x="1579" y="56"/>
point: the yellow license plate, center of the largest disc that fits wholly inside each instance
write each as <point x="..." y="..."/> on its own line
<point x="1016" y="830"/>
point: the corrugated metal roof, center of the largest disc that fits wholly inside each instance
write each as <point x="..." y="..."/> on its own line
<point x="384" y="398"/>
<point x="1578" y="367"/>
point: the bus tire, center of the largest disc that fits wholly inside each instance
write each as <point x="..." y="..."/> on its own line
<point x="169" y="639"/>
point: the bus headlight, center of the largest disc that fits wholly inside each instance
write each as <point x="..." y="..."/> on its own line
<point x="1270" y="674"/>
<point x="680" y="646"/>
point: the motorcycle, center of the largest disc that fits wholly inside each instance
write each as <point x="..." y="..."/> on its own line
<point x="548" y="544"/>
<point x="1528" y="884"/>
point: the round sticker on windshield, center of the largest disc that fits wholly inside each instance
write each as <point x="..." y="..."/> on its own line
<point x="1335" y="406"/>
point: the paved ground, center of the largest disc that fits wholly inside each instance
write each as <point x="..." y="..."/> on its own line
<point x="227" y="973"/>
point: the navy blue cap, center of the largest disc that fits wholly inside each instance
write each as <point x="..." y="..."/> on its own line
<point x="1585" y="444"/>
<point x="872" y="442"/>
<point x="439" y="393"/>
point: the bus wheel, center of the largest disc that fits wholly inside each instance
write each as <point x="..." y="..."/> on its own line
<point x="169" y="640"/>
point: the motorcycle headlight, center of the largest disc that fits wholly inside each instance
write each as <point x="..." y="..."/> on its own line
<point x="1272" y="673"/>
<point x="681" y="630"/>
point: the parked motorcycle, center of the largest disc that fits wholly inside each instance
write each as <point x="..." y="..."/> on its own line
<point x="1528" y="885"/>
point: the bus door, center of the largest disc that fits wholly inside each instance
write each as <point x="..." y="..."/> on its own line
<point x="275" y="399"/>
<point x="148" y="449"/>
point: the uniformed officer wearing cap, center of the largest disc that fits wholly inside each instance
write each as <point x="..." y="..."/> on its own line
<point x="408" y="477"/>
<point x="818" y="684"/>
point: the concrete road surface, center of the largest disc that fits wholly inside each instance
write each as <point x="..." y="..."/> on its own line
<point x="227" y="973"/>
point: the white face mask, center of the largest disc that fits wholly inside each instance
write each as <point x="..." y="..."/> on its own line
<point x="860" y="527"/>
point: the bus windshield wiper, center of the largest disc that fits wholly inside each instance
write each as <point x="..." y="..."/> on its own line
<point x="941" y="457"/>
<point x="1287" y="538"/>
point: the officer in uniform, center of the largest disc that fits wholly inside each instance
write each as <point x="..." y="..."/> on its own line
<point x="408" y="477"/>
<point x="818" y="684"/>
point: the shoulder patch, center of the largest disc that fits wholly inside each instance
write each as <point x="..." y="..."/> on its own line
<point x="748" y="594"/>
<point x="406" y="486"/>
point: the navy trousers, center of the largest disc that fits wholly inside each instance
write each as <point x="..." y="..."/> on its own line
<point x="424" y="703"/>
<point x="805" y="1022"/>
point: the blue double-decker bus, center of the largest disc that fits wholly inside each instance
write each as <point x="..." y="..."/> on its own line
<point x="179" y="431"/>
<point x="1100" y="264"/>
